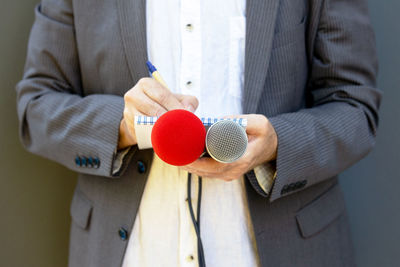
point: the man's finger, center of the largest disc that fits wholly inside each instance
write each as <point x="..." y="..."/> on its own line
<point x="162" y="96"/>
<point x="147" y="106"/>
<point x="256" y="124"/>
<point x="188" y="101"/>
<point x="206" y="166"/>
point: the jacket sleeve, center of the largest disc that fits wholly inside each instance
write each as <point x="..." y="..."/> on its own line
<point x="56" y="120"/>
<point x="339" y="126"/>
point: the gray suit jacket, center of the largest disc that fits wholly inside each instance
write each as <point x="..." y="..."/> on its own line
<point x="310" y="67"/>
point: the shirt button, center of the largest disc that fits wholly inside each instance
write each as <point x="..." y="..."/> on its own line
<point x="189" y="84"/>
<point x="189" y="27"/>
<point x="190" y="258"/>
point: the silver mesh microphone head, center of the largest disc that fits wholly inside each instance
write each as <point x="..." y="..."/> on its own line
<point x="226" y="141"/>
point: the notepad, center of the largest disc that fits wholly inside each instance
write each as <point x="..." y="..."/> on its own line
<point x="144" y="126"/>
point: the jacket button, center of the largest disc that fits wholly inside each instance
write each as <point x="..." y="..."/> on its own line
<point x="298" y="185"/>
<point x="96" y="162"/>
<point x="78" y="161"/>
<point x="292" y="187"/>
<point x="84" y="161"/>
<point x="123" y="233"/>
<point x="141" y="167"/>
<point x="285" y="189"/>
<point x="90" y="162"/>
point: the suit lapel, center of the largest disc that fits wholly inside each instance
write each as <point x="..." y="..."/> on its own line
<point x="260" y="26"/>
<point x="132" y="16"/>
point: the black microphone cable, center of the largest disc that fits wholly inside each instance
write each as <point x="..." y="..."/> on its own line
<point x="196" y="223"/>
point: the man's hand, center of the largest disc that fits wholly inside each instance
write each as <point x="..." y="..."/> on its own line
<point x="262" y="147"/>
<point x="149" y="98"/>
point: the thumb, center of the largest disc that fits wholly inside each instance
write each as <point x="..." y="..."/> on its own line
<point x="188" y="101"/>
<point x="258" y="125"/>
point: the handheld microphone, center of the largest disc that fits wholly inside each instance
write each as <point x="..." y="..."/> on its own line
<point x="226" y="141"/>
<point x="178" y="137"/>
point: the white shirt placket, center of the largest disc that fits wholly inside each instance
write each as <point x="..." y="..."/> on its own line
<point x="191" y="53"/>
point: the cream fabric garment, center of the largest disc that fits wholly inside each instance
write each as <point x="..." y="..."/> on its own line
<point x="198" y="47"/>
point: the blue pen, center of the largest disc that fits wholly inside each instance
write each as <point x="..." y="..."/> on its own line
<point x="156" y="75"/>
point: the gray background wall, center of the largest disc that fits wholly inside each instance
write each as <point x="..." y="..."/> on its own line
<point x="372" y="187"/>
<point x="35" y="193"/>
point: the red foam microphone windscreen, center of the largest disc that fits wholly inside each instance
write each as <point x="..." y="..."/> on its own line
<point x="178" y="137"/>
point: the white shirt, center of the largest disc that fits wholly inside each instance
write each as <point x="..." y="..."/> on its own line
<point x="198" y="47"/>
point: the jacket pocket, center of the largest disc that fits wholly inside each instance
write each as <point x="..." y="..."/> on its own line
<point x="81" y="209"/>
<point x="321" y="212"/>
<point x="289" y="36"/>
